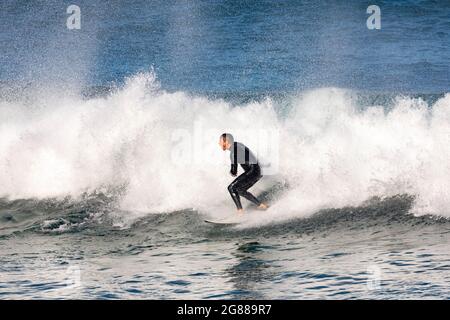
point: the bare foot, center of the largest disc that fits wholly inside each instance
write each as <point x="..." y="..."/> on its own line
<point x="263" y="206"/>
<point x="240" y="211"/>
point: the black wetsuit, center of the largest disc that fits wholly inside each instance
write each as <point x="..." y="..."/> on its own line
<point x="240" y="154"/>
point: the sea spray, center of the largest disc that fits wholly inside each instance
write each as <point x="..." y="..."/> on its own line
<point x="330" y="150"/>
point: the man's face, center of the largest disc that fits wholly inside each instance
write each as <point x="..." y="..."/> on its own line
<point x="224" y="144"/>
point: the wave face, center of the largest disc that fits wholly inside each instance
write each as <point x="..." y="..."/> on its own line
<point x="160" y="148"/>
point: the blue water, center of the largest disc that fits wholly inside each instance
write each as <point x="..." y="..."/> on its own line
<point x="75" y="141"/>
<point x="230" y="46"/>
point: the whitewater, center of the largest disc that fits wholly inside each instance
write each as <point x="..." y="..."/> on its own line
<point x="160" y="149"/>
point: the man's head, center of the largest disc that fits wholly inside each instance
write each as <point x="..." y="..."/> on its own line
<point x="226" y="141"/>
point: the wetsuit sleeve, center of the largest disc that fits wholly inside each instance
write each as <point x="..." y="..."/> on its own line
<point x="234" y="161"/>
<point x="233" y="169"/>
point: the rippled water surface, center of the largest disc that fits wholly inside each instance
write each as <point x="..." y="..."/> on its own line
<point x="365" y="252"/>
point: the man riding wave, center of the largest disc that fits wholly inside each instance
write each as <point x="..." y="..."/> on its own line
<point x="240" y="154"/>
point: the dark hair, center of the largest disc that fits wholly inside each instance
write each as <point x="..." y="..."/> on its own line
<point x="227" y="137"/>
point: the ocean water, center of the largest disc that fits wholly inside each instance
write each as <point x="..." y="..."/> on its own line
<point x="109" y="161"/>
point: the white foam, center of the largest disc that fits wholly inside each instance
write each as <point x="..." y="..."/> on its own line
<point x="332" y="153"/>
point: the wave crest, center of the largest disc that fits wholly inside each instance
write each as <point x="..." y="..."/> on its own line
<point x="332" y="151"/>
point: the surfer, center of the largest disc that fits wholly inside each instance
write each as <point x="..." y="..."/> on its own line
<point x="240" y="154"/>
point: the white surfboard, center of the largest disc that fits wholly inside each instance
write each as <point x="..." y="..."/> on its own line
<point x="232" y="220"/>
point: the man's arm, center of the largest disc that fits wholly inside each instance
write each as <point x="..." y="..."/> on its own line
<point x="233" y="170"/>
<point x="234" y="160"/>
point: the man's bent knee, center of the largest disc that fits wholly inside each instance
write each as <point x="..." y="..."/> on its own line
<point x="232" y="189"/>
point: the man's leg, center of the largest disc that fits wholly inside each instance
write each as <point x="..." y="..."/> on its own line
<point x="247" y="181"/>
<point x="233" y="189"/>
<point x="250" y="197"/>
<point x="241" y="184"/>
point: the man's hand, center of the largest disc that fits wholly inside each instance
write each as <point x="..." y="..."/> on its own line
<point x="233" y="174"/>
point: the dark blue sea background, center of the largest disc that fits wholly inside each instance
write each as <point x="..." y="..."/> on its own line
<point x="230" y="47"/>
